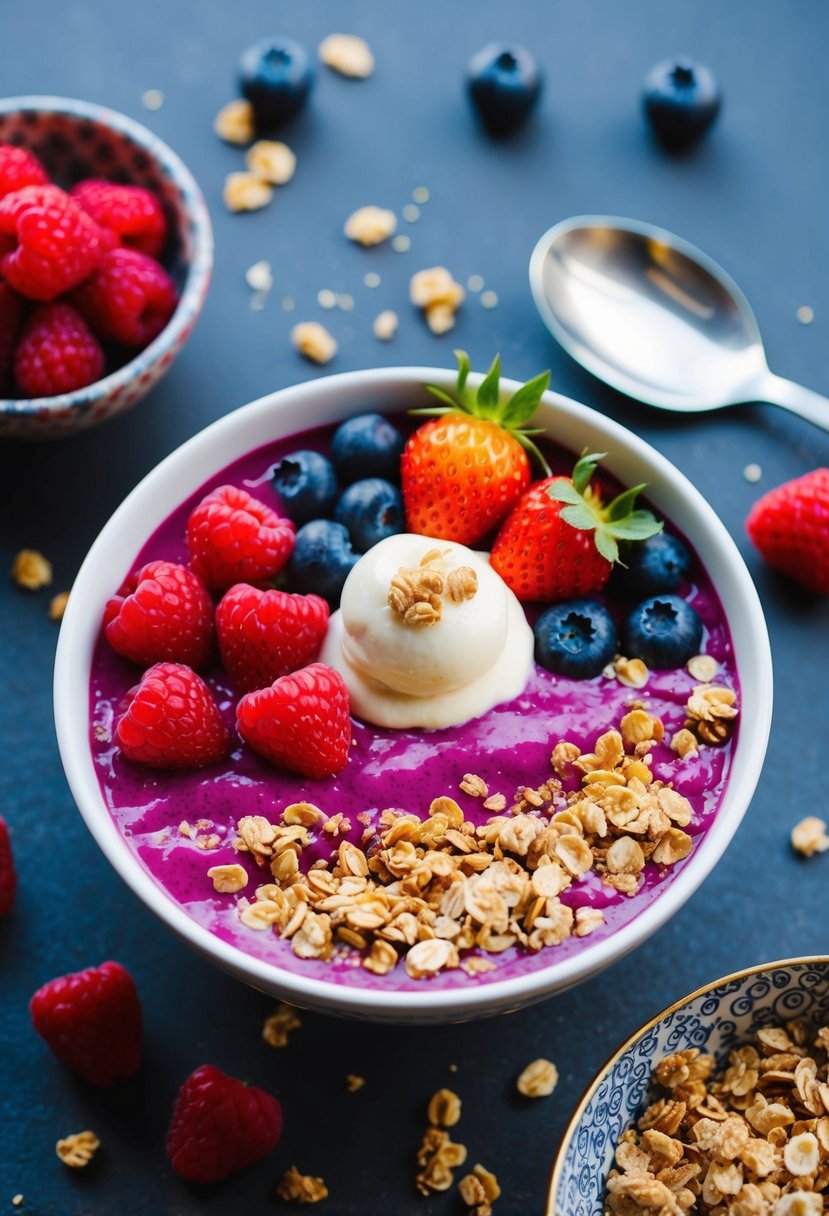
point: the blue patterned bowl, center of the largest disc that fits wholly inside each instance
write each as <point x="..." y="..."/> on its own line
<point x="78" y="139"/>
<point x="717" y="1018"/>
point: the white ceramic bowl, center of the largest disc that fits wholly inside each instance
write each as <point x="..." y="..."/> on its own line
<point x="716" y="1019"/>
<point x="329" y="400"/>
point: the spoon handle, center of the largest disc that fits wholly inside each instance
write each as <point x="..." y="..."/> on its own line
<point x="791" y="396"/>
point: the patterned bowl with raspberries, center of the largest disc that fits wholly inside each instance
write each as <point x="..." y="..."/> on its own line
<point x="69" y="142"/>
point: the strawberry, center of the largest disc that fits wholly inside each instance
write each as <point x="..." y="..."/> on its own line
<point x="561" y="542"/>
<point x="463" y="472"/>
<point x="172" y="721"/>
<point x="8" y="875"/>
<point x="92" y="1022"/>
<point x="301" y="722"/>
<point x="790" y="527"/>
<point x="161" y="614"/>
<point x="266" y="634"/>
<point x="235" y="538"/>
<point x="220" y="1125"/>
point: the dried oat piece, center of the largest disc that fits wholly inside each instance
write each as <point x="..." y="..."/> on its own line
<point x="303" y="1189"/>
<point x="370" y="226"/>
<point x="479" y="1190"/>
<point x="314" y="342"/>
<point x="416" y="595"/>
<point x="711" y="713"/>
<point x="429" y="957"/>
<point x="684" y="743"/>
<point x="809" y="836"/>
<point x="31" y="570"/>
<point x="633" y="673"/>
<point x="246" y="192"/>
<point x="703" y="667"/>
<point x="57" y="606"/>
<point x="235" y="122"/>
<point x="353" y="1082"/>
<point x="538" y="1080"/>
<point x="436" y="292"/>
<point x="77" y="1150"/>
<point x="438" y="1156"/>
<point x="348" y="55"/>
<point x="385" y="325"/>
<point x="271" y="161"/>
<point x="444" y="1108"/>
<point x="277" y="1027"/>
<point x="228" y="879"/>
<point x="473" y="785"/>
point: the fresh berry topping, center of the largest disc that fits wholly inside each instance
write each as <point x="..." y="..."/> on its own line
<point x="681" y="99"/>
<point x="266" y="634"/>
<point x="164" y="614"/>
<point x="790" y="527"/>
<point x="92" y="1022"/>
<point x="220" y="1125"/>
<point x="235" y="538"/>
<point x="47" y="243"/>
<point x="129" y="299"/>
<point x="322" y="559"/>
<point x="18" y="168"/>
<point x="57" y="353"/>
<point x="11" y="314"/>
<point x="301" y="722"/>
<point x="172" y="721"/>
<point x="8" y="876"/>
<point x="371" y="510"/>
<point x="275" y="75"/>
<point x="560" y="541"/>
<point x="651" y="567"/>
<point x="367" y="446"/>
<point x="663" y="631"/>
<point x="131" y="212"/>
<point x="504" y="83"/>
<point x="306" y="484"/>
<point x="576" y="638"/>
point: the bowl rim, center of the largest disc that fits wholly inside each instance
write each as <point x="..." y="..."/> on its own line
<point x="633" y="1039"/>
<point x="199" y="269"/>
<point x="446" y="1004"/>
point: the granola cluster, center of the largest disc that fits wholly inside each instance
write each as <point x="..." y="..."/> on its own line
<point x="416" y="594"/>
<point x="752" y="1140"/>
<point x="438" y="1156"/>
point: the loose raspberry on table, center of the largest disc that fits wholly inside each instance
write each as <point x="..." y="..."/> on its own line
<point x="92" y="1021"/>
<point x="48" y="244"/>
<point x="162" y="614"/>
<point x="132" y="213"/>
<point x="220" y="1125"/>
<point x="301" y="722"/>
<point x="8" y="875"/>
<point x="235" y="538"/>
<point x="18" y="168"/>
<point x="129" y="299"/>
<point x="266" y="634"/>
<point x="57" y="353"/>
<point x="172" y="721"/>
<point x="11" y="314"/>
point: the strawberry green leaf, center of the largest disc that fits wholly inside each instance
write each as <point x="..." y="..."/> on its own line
<point x="441" y="396"/>
<point x="524" y="402"/>
<point x="563" y="490"/>
<point x="607" y="545"/>
<point x="584" y="510"/>
<point x="638" y="526"/>
<point x="464" y="368"/>
<point x="488" y="397"/>
<point x="622" y="505"/>
<point x="584" y="469"/>
<point x="527" y="444"/>
<point x="580" y="516"/>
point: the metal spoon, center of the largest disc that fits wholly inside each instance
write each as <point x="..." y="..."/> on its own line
<point x="656" y="318"/>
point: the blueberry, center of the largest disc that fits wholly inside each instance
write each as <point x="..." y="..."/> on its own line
<point x="371" y="510"/>
<point x="681" y="99"/>
<point x="275" y="75"/>
<point x="367" y="446"/>
<point x="663" y="631"/>
<point x="306" y="484"/>
<point x="504" y="83"/>
<point x="576" y="638"/>
<point x="321" y="560"/>
<point x="652" y="567"/>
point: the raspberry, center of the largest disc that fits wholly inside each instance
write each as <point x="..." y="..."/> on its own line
<point x="235" y="538"/>
<point x="266" y="634"/>
<point x="131" y="212"/>
<point x="56" y="353"/>
<point x="172" y="721"/>
<point x="92" y="1022"/>
<point x="301" y="722"/>
<point x="129" y="299"/>
<point x="220" y="1125"/>
<point x="11" y="313"/>
<point x="163" y="614"/>
<point x="48" y="244"/>
<point x="790" y="527"/>
<point x="8" y="877"/>
<point x="19" y="168"/>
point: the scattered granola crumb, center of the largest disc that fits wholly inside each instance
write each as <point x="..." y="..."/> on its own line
<point x="235" y="122"/>
<point x="453" y="1068"/>
<point x="152" y="99"/>
<point x="587" y="921"/>
<point x="538" y="1080"/>
<point x="479" y="1190"/>
<point x="489" y="299"/>
<point x="752" y="473"/>
<point x="228" y="879"/>
<point x="327" y="299"/>
<point x="259" y="277"/>
<point x="436" y="292"/>
<point x="805" y="314"/>
<point x="437" y="1157"/>
<point x="474" y="785"/>
<point x="57" y="606"/>
<point x="246" y="192"/>
<point x="294" y="1187"/>
<point x="411" y="213"/>
<point x="370" y="225"/>
<point x="348" y="55"/>
<point x="809" y="836"/>
<point x="353" y="1082"/>
<point x="17" y="1200"/>
<point x="314" y="342"/>
<point x="703" y="667"/>
<point x="684" y="743"/>
<point x="372" y="279"/>
<point x="344" y="301"/>
<point x="401" y="244"/>
<point x="271" y="161"/>
<point x="475" y="282"/>
<point x="31" y="570"/>
<point x="77" y="1150"/>
<point x="385" y="325"/>
<point x="444" y="1108"/>
<point x="495" y="802"/>
<point x="288" y="303"/>
<point x="711" y="713"/>
<point x="277" y="1027"/>
<point x="420" y="194"/>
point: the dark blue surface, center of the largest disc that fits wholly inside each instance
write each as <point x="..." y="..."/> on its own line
<point x="753" y="195"/>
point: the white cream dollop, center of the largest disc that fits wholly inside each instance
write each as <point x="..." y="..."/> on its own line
<point x="477" y="654"/>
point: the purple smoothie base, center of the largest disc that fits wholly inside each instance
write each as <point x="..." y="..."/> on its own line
<point x="509" y="747"/>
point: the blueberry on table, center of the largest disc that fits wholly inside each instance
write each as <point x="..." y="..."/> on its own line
<point x="367" y="446"/>
<point x="306" y="484"/>
<point x="681" y="99"/>
<point x="504" y="83"/>
<point x="371" y="510"/>
<point x="322" y="559"/>
<point x="651" y="567"/>
<point x="275" y="75"/>
<point x="576" y="638"/>
<point x="663" y="631"/>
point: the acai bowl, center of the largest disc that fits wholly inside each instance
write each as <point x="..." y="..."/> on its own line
<point x="163" y="831"/>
